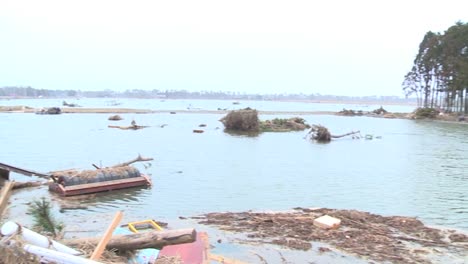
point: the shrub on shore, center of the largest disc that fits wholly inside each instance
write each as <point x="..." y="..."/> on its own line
<point x="422" y="113"/>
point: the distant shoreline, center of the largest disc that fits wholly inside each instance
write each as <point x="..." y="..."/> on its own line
<point x="85" y="110"/>
<point x="312" y="101"/>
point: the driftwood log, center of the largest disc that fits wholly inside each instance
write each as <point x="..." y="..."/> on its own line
<point x="134" y="127"/>
<point x="137" y="159"/>
<point x="153" y="239"/>
<point x="20" y="185"/>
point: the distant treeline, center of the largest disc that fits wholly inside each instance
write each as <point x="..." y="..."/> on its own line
<point x="439" y="76"/>
<point x="29" y="92"/>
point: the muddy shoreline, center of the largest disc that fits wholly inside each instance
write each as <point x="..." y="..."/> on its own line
<point x="394" y="239"/>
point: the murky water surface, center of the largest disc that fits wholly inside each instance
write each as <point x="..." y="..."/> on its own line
<point x="416" y="168"/>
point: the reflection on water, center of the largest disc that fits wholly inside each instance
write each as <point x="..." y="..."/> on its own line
<point x="415" y="169"/>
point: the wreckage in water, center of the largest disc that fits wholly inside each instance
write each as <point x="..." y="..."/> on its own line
<point x="72" y="182"/>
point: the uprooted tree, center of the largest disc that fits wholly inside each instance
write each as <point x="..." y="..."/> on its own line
<point x="321" y="134"/>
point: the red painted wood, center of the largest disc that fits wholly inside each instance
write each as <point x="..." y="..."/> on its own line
<point x="189" y="253"/>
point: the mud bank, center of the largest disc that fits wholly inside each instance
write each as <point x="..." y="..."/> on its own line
<point x="394" y="239"/>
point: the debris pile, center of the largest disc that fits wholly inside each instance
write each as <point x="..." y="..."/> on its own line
<point x="115" y="118"/>
<point x="245" y="120"/>
<point x="74" y="177"/>
<point x="392" y="239"/>
<point x="320" y="133"/>
<point x="284" y="125"/>
<point x="350" y="112"/>
<point x="50" y="111"/>
<point x="376" y="112"/>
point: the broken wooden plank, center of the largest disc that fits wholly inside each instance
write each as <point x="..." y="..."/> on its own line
<point x="225" y="260"/>
<point x="106" y="237"/>
<point x="5" y="195"/>
<point x="26" y="172"/>
<point x="152" y="239"/>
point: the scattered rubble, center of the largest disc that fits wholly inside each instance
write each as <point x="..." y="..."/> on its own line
<point x="64" y="103"/>
<point x="50" y="111"/>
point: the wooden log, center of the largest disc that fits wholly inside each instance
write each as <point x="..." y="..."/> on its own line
<point x="5" y="194"/>
<point x="153" y="239"/>
<point x="20" y="185"/>
<point x="107" y="235"/>
<point x="347" y="134"/>
<point x="136" y="127"/>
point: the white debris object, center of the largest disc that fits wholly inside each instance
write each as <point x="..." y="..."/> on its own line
<point x="327" y="222"/>
<point x="48" y="255"/>
<point x="10" y="228"/>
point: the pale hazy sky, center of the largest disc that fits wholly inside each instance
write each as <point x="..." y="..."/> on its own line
<point x="329" y="47"/>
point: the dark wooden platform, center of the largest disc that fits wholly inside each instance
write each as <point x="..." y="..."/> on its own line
<point x="99" y="186"/>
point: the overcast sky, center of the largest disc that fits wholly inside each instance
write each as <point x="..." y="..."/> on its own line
<point x="329" y="47"/>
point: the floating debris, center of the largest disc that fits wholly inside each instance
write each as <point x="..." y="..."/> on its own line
<point x="115" y="118"/>
<point x="50" y="111"/>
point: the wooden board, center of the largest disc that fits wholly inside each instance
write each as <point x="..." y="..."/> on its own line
<point x="5" y="194"/>
<point x="100" y="186"/>
<point x="106" y="237"/>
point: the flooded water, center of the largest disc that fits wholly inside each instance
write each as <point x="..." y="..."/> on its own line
<point x="416" y="168"/>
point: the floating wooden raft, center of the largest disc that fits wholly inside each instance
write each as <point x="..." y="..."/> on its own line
<point x="72" y="182"/>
